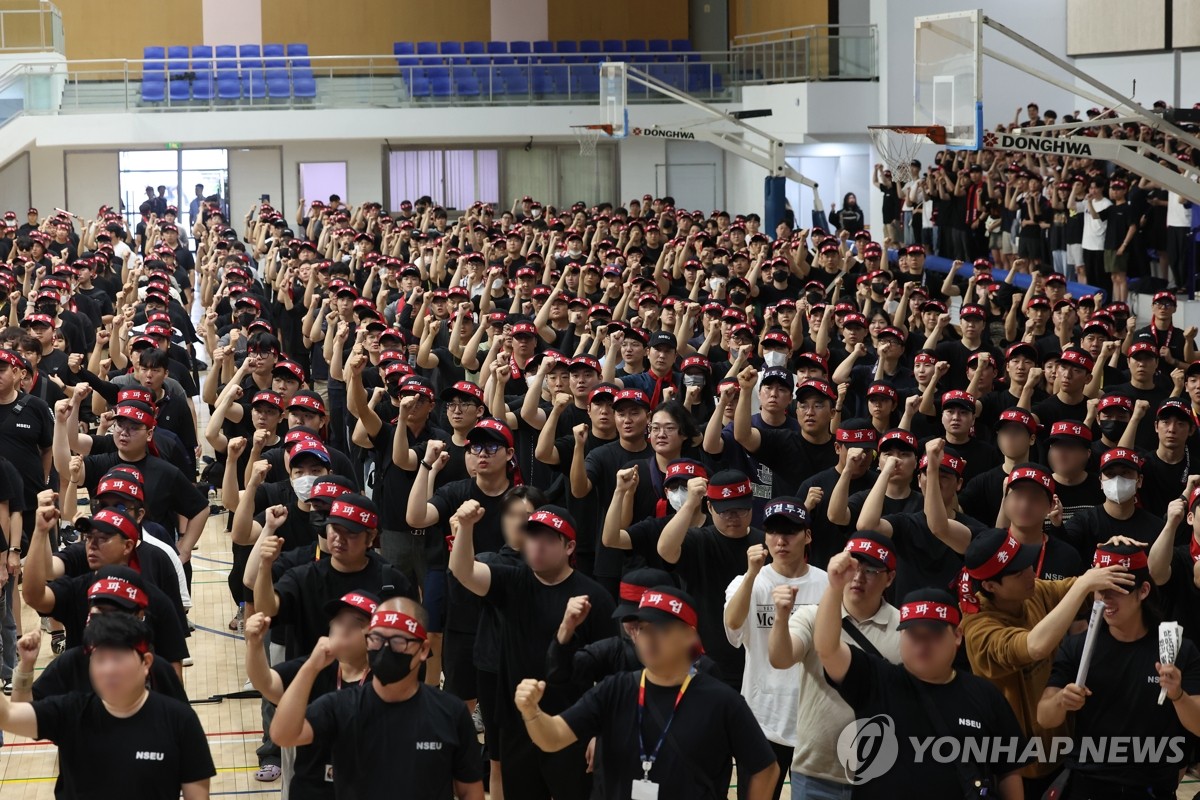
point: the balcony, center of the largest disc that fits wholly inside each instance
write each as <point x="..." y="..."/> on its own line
<point x="808" y="53"/>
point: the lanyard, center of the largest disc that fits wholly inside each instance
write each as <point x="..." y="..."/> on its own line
<point x="361" y="680"/>
<point x="1042" y="556"/>
<point x="649" y="759"/>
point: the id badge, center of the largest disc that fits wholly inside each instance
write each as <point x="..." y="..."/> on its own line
<point x="644" y="790"/>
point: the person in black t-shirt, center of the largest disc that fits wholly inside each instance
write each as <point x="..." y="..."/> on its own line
<point x="349" y="617"/>
<point x="1119" y="515"/>
<point x="393" y="735"/>
<point x="533" y="598"/>
<point x="708" y="555"/>
<point x="298" y="598"/>
<point x="148" y="744"/>
<point x="117" y="590"/>
<point x="1175" y="568"/>
<point x="1129" y="693"/>
<point x="669" y="731"/>
<point x="112" y="540"/>
<point x="924" y="696"/>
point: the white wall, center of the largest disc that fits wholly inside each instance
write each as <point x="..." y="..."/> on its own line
<point x="1154" y="74"/>
<point x="254" y="172"/>
<point x="93" y="182"/>
<point x="15" y="185"/>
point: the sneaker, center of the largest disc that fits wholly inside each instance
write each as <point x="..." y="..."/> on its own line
<point x="477" y="718"/>
<point x="248" y="686"/>
<point x="58" y="642"/>
<point x="235" y="624"/>
<point x="8" y="687"/>
<point x="45" y="622"/>
<point x="187" y="662"/>
<point x="191" y="625"/>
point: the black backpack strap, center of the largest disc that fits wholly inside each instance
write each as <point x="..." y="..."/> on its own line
<point x="859" y="637"/>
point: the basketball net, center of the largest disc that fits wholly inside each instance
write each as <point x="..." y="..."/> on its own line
<point x="589" y="135"/>
<point x="898" y="145"/>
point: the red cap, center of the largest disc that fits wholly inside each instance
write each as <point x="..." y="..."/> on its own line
<point x="120" y="591"/>
<point x="632" y="395"/>
<point x="308" y="401"/>
<point x="491" y="428"/>
<point x="1066" y="429"/>
<point x="898" y="436"/>
<point x="950" y="463"/>
<point x="884" y="390"/>
<point x="1019" y="416"/>
<point x="117" y="483"/>
<point x="873" y="550"/>
<point x="130" y="411"/>
<point x="270" y="398"/>
<point x="1033" y="474"/>
<point x="669" y="604"/>
<point x="929" y="610"/>
<point x="1115" y="401"/>
<point x="546" y="518"/>
<point x="1121" y="455"/>
<point x="957" y="397"/>
<point x="1142" y="347"/>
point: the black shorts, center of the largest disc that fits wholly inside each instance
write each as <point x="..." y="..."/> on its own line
<point x="458" y="665"/>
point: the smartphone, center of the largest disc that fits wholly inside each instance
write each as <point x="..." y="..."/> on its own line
<point x="266" y="198"/>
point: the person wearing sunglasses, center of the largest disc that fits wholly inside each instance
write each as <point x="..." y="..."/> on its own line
<point x="392" y="729"/>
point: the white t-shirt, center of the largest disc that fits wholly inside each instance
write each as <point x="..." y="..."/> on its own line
<point x="771" y="693"/>
<point x="822" y="713"/>
<point x="1178" y="215"/>
<point x="1093" y="227"/>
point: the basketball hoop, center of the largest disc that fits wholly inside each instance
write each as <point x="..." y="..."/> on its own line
<point x="897" y="145"/>
<point x="589" y="135"/>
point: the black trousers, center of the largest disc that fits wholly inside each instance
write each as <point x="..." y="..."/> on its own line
<point x="530" y="774"/>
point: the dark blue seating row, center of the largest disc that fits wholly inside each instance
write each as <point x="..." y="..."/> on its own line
<point x="227" y="72"/>
<point x="559" y="79"/>
<point x="586" y="51"/>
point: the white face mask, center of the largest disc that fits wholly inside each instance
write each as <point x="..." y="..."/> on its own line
<point x="693" y="380"/>
<point x="1119" y="490"/>
<point x="774" y="358"/>
<point x="530" y="380"/>
<point x="535" y="212"/>
<point x="575" y="251"/>
<point x="303" y="486"/>
<point x="498" y="283"/>
<point x="677" y="497"/>
<point x="715" y="284"/>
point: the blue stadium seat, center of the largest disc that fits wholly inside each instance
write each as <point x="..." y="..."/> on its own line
<point x="253" y="84"/>
<point x="177" y="59"/>
<point x="589" y="45"/>
<point x="203" y="88"/>
<point x="403" y="48"/>
<point x="542" y="47"/>
<point x="465" y="82"/>
<point x="229" y="87"/>
<point x="201" y="53"/>
<point x="249" y="51"/>
<point x="614" y="46"/>
<point x="278" y="83"/>
<point x="498" y="51"/>
<point x="304" y="85"/>
<point x="154" y="88"/>
<point x="585" y="80"/>
<point x="157" y="66"/>
<point x="418" y="86"/>
<point x="521" y="50"/>
<point x="514" y="79"/>
<point x="542" y="80"/>
<point x="437" y="72"/>
<point x="427" y="48"/>
<point x="568" y="49"/>
<point x="702" y="79"/>
<point x="154" y="53"/>
<point x="295" y="49"/>
<point x="658" y="46"/>
<point x="273" y="56"/>
<point x="453" y="52"/>
<point x="681" y="46"/>
<point x="180" y="90"/>
<point x="439" y="86"/>
<point x="671" y="74"/>
<point x="637" y="47"/>
<point x="406" y="57"/>
<point x="226" y="56"/>
<point x="474" y="48"/>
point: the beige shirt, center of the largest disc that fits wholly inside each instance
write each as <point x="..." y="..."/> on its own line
<point x="822" y="713"/>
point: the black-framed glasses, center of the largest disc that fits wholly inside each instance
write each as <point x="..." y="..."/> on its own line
<point x="490" y="449"/>
<point x="461" y="405"/>
<point x="98" y="539"/>
<point x="397" y="644"/>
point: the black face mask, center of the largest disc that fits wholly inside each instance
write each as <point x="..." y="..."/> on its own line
<point x="244" y="319"/>
<point x="390" y="667"/>
<point x="878" y="288"/>
<point x="814" y="298"/>
<point x="780" y="275"/>
<point x="1113" y="429"/>
<point x="316" y="521"/>
<point x="393" y="390"/>
<point x="737" y="298"/>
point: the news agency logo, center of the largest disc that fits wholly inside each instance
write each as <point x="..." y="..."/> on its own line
<point x="868" y="748"/>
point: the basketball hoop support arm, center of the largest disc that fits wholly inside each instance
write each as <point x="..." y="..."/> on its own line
<point x="769" y="156"/>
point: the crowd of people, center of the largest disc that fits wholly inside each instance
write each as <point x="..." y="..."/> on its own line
<point x="610" y="501"/>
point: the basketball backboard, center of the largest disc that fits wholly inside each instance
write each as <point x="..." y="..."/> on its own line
<point x="613" y="96"/>
<point x="948" y="67"/>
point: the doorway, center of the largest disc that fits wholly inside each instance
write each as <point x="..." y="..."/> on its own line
<point x="181" y="176"/>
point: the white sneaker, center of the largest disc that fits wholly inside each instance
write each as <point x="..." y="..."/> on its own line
<point x="187" y="662"/>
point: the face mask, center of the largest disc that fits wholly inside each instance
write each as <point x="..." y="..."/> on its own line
<point x="535" y="212"/>
<point x="715" y="284"/>
<point x="316" y="521"/>
<point x="878" y="288"/>
<point x="530" y="380"/>
<point x="1119" y="490"/>
<point x="693" y="380"/>
<point x="390" y="667"/>
<point x="303" y="486"/>
<point x="498" y="284"/>
<point x="737" y="298"/>
<point x="244" y="320"/>
<point x="1113" y="429"/>
<point x="677" y="497"/>
<point x="574" y="251"/>
<point x="780" y="275"/>
<point x="774" y="358"/>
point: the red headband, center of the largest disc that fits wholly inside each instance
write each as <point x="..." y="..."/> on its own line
<point x="998" y="561"/>
<point x="632" y="592"/>
<point x="398" y="622"/>
<point x="118" y="588"/>
<point x="928" y="609"/>
<point x="670" y="604"/>
<point x="875" y="550"/>
<point x="551" y="520"/>
<point x="856" y="436"/>
<point x="1133" y="561"/>
<point x="728" y="492"/>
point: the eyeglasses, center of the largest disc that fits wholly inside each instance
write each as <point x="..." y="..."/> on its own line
<point x="733" y="513"/>
<point x="125" y="508"/>
<point x="98" y="539"/>
<point x="668" y="429"/>
<point x="397" y="644"/>
<point x="128" y="427"/>
<point x="870" y="571"/>
<point x="484" y="449"/>
<point x="460" y="405"/>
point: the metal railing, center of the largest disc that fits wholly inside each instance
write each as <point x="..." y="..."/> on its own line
<point x="31" y="30"/>
<point x="806" y="53"/>
<point x="100" y="86"/>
